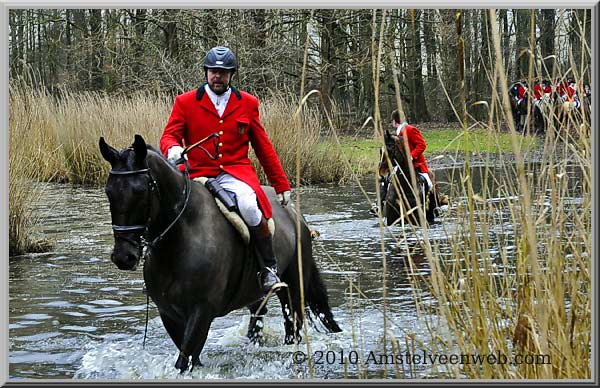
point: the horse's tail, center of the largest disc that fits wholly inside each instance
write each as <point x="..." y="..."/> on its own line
<point x="318" y="301"/>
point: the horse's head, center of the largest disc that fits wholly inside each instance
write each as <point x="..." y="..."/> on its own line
<point x="394" y="146"/>
<point x="129" y="189"/>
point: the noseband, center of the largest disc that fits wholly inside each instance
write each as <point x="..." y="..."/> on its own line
<point x="153" y="186"/>
<point x="132" y="228"/>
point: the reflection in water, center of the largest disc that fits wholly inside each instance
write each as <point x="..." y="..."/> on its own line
<point x="74" y="314"/>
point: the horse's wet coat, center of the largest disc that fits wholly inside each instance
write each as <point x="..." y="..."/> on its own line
<point x="401" y="197"/>
<point x="201" y="269"/>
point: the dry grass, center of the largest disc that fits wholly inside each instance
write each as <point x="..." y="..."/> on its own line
<point x="55" y="139"/>
<point x="304" y="136"/>
<point x="511" y="273"/>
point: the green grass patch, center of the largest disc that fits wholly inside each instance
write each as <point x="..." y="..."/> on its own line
<point x="474" y="141"/>
<point x="363" y="153"/>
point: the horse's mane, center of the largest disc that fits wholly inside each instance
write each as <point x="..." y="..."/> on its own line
<point x="152" y="148"/>
<point x="156" y="153"/>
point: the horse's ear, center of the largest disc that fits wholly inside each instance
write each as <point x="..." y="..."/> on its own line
<point x="139" y="146"/>
<point x="108" y="153"/>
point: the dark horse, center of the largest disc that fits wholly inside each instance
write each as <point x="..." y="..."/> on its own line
<point x="519" y="108"/>
<point x="197" y="266"/>
<point x="400" y="198"/>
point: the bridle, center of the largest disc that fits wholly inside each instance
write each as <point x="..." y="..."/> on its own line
<point x="153" y="187"/>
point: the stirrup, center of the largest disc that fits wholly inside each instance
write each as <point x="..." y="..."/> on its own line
<point x="278" y="283"/>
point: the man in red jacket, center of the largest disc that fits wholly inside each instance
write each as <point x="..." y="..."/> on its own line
<point x="416" y="145"/>
<point x="216" y="106"/>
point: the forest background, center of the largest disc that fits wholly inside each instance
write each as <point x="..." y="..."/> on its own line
<point x="119" y="51"/>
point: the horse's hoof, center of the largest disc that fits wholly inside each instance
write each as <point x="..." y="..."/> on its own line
<point x="290" y="339"/>
<point x="182" y="363"/>
<point x="195" y="363"/>
<point x="255" y="335"/>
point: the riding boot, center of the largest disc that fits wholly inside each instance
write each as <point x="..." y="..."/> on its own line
<point x="263" y="247"/>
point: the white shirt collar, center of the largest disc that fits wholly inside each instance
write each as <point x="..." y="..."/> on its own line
<point x="401" y="128"/>
<point x="219" y="101"/>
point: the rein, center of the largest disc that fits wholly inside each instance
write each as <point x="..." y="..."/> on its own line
<point x="154" y="186"/>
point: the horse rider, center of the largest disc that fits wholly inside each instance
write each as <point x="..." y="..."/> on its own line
<point x="217" y="106"/>
<point x="518" y="92"/>
<point x="416" y="146"/>
<point x="567" y="92"/>
<point x="541" y="90"/>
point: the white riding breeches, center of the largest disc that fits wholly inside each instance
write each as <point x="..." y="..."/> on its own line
<point x="423" y="174"/>
<point x="245" y="198"/>
<point x="427" y="179"/>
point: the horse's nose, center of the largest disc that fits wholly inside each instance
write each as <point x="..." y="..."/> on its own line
<point x="127" y="262"/>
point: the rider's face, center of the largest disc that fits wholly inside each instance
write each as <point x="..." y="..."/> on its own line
<point x="218" y="80"/>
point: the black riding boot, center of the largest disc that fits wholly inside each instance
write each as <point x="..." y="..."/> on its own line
<point x="263" y="246"/>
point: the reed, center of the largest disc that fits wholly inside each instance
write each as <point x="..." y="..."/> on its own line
<point x="66" y="130"/>
<point x="318" y="163"/>
<point x="23" y="171"/>
<point x="510" y="271"/>
<point x="512" y="275"/>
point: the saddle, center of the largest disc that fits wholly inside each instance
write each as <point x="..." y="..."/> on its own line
<point x="233" y="216"/>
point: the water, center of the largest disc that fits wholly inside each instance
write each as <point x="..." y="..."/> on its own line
<point x="73" y="314"/>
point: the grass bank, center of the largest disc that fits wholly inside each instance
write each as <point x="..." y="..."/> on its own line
<point x="57" y="137"/>
<point x="444" y="146"/>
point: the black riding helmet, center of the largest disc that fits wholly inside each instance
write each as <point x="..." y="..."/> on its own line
<point x="220" y="58"/>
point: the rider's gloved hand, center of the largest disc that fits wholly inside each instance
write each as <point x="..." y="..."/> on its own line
<point x="174" y="154"/>
<point x="284" y="198"/>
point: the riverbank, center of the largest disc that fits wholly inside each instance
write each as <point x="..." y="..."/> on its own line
<point x="446" y="147"/>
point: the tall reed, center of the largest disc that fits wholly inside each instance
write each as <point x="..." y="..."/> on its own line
<point x="510" y="270"/>
<point x="23" y="170"/>
<point x="66" y="129"/>
<point x="512" y="275"/>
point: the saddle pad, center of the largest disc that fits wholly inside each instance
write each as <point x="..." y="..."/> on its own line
<point x="234" y="218"/>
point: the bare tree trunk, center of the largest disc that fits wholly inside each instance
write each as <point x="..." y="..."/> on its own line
<point x="328" y="69"/>
<point x="419" y="105"/>
<point x="547" y="25"/>
<point x="522" y="56"/>
<point x="96" y="50"/>
<point x="139" y="28"/>
<point x="503" y="13"/>
<point x="170" y="30"/>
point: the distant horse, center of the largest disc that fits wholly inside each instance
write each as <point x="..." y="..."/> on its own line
<point x="543" y="112"/>
<point x="197" y="266"/>
<point x="401" y="197"/>
<point x="519" y="107"/>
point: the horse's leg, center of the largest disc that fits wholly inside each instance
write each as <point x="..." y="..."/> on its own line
<point x="255" y="326"/>
<point x="194" y="337"/>
<point x="174" y="329"/>
<point x="392" y="210"/>
<point x="286" y="310"/>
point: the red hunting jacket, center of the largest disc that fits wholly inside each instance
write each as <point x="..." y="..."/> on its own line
<point x="194" y="117"/>
<point x="417" y="146"/>
<point x="540" y="90"/>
